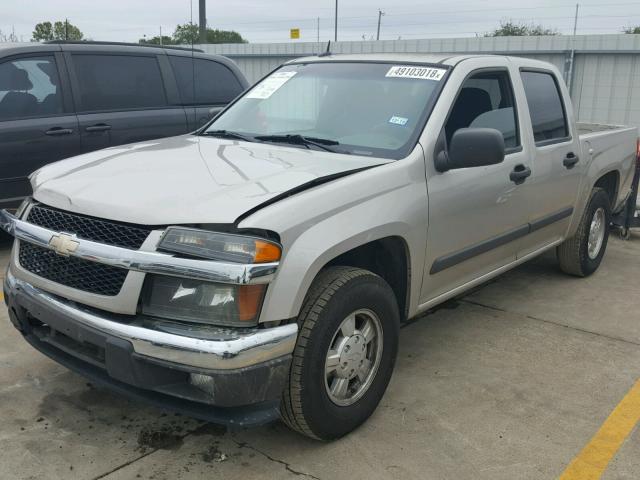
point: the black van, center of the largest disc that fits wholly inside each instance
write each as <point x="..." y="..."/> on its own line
<point x="62" y="99"/>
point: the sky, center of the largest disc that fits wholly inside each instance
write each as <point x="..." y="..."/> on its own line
<point x="271" y="20"/>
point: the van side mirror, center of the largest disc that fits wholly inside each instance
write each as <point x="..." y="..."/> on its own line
<point x="471" y="147"/>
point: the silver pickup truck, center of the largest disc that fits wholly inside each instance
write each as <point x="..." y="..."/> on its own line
<point x="262" y="266"/>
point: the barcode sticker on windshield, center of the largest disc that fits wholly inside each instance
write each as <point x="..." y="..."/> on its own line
<point x="270" y="85"/>
<point x="422" y="73"/>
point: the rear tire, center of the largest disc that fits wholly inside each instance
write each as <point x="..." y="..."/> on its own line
<point x="325" y="399"/>
<point x="581" y="254"/>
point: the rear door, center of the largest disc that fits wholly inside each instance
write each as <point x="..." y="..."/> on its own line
<point x="556" y="168"/>
<point x="37" y="123"/>
<point x="205" y="86"/>
<point x="122" y="98"/>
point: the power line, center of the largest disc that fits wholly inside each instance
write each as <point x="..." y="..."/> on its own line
<point x="569" y="7"/>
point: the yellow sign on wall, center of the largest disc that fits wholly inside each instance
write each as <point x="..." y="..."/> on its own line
<point x="295" y="33"/>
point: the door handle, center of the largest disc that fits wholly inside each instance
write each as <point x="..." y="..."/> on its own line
<point x="101" y="127"/>
<point x="570" y="160"/>
<point x="519" y="174"/>
<point x="58" y="131"/>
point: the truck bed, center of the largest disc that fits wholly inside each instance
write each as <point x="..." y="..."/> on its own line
<point x="611" y="147"/>
<point x="585" y="128"/>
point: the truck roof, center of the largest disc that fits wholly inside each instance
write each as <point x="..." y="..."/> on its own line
<point x="437" y="58"/>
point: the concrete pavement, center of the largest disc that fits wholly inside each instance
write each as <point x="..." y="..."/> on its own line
<point x="510" y="381"/>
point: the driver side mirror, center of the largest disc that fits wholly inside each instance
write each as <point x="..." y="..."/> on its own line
<point x="471" y="147"/>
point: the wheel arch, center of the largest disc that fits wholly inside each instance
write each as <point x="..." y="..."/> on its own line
<point x="610" y="183"/>
<point x="388" y="258"/>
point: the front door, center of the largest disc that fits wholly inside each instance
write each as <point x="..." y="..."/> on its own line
<point x="37" y="125"/>
<point x="477" y="216"/>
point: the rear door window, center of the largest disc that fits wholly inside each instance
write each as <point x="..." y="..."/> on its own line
<point x="548" y="117"/>
<point x="29" y="87"/>
<point x="118" y="82"/>
<point x="486" y="101"/>
<point x="213" y="84"/>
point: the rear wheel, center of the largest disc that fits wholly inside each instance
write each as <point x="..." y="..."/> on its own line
<point x="581" y="254"/>
<point x="345" y="353"/>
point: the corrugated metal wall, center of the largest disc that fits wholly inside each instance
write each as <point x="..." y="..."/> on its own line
<point x="606" y="72"/>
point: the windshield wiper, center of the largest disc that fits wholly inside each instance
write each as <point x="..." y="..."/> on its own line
<point x="227" y="134"/>
<point x="300" y="140"/>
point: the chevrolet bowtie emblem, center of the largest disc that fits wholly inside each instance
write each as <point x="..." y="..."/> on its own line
<point x="63" y="244"/>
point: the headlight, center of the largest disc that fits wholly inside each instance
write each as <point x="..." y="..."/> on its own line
<point x="219" y="246"/>
<point x="202" y="302"/>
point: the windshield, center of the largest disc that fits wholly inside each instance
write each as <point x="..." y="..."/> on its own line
<point x="373" y="109"/>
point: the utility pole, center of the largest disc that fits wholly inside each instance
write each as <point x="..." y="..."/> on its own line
<point x="335" y="37"/>
<point x="318" y="28"/>
<point x="203" y="21"/>
<point x="160" y="35"/>
<point x="66" y="29"/>
<point x="573" y="50"/>
<point x="380" y="14"/>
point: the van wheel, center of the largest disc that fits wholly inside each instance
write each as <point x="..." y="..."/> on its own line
<point x="581" y="254"/>
<point x="344" y="357"/>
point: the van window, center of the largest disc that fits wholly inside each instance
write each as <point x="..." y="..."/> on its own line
<point x="214" y="83"/>
<point x="118" y="82"/>
<point x="486" y="101"/>
<point x="29" y="87"/>
<point x="545" y="106"/>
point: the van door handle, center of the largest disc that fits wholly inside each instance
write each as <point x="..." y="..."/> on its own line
<point x="58" y="131"/>
<point x="100" y="127"/>
<point x="570" y="160"/>
<point x="519" y="174"/>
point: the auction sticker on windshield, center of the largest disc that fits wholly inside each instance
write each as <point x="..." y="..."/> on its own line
<point x="270" y="85"/>
<point x="411" y="71"/>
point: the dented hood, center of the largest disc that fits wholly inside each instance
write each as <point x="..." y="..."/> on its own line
<point x="185" y="179"/>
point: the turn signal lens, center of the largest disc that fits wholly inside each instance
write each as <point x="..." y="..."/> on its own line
<point x="219" y="246"/>
<point x="249" y="301"/>
<point x="266" y="252"/>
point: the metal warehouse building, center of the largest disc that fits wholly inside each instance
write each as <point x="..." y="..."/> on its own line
<point x="604" y="83"/>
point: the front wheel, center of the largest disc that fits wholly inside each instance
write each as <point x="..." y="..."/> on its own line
<point x="345" y="353"/>
<point x="581" y="254"/>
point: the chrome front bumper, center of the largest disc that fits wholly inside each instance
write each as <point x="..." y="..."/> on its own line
<point x="207" y="348"/>
<point x="225" y="350"/>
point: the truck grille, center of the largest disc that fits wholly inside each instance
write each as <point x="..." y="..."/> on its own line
<point x="72" y="272"/>
<point x="94" y="229"/>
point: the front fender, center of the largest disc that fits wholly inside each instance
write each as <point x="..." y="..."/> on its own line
<point x="320" y="224"/>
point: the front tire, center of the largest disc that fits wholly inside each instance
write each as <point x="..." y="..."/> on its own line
<point x="581" y="254"/>
<point x="345" y="354"/>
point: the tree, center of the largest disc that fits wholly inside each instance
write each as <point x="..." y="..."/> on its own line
<point x="632" y="30"/>
<point x="66" y="31"/>
<point x="186" y="34"/>
<point x="166" y="40"/>
<point x="509" y="28"/>
<point x="44" y="31"/>
<point x="189" y="33"/>
<point x="224" y="36"/>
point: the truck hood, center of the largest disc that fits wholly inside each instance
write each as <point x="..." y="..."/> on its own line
<point x="186" y="179"/>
